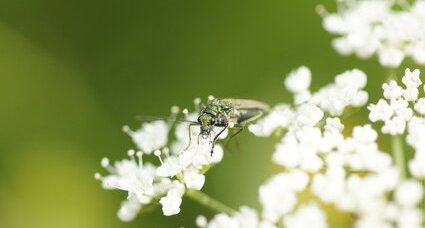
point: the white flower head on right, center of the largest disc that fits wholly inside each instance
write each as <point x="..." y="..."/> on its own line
<point x="391" y="30"/>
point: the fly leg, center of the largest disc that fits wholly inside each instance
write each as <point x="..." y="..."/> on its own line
<point x="190" y="136"/>
<point x="215" y="138"/>
<point x="232" y="136"/>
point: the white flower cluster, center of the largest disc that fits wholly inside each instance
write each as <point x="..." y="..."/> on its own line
<point x="392" y="30"/>
<point x="395" y="110"/>
<point x="402" y="110"/>
<point x="307" y="216"/>
<point x="246" y="217"/>
<point x="346" y="91"/>
<point x="350" y="173"/>
<point x="179" y="168"/>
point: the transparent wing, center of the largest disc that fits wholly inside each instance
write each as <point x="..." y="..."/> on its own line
<point x="153" y="118"/>
<point x="246" y="104"/>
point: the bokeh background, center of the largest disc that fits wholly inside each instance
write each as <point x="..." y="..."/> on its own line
<point x="72" y="73"/>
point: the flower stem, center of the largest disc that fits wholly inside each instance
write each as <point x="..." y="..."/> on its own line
<point x="209" y="202"/>
<point x="391" y="74"/>
<point x="398" y="154"/>
<point x="423" y="202"/>
<point x="422" y="205"/>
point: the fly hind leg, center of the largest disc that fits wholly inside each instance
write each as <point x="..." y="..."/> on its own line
<point x="238" y="131"/>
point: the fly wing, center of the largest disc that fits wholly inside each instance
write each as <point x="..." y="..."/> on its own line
<point x="154" y="118"/>
<point x="246" y="104"/>
<point x="245" y="110"/>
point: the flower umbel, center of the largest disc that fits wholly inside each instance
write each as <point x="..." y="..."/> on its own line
<point x="350" y="173"/>
<point x="167" y="180"/>
<point x="391" y="30"/>
<point x="347" y="171"/>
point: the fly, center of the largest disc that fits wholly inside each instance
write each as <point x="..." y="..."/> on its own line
<point x="227" y="113"/>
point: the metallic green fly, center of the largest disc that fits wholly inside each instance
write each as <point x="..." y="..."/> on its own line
<point x="227" y="113"/>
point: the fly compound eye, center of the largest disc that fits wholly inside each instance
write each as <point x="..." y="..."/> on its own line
<point x="212" y="121"/>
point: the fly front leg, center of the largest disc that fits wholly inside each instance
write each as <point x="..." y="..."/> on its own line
<point x="215" y="138"/>
<point x="190" y="135"/>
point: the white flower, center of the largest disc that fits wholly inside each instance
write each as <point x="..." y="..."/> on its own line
<point x="420" y="106"/>
<point x="411" y="93"/>
<point x="138" y="179"/>
<point x="359" y="99"/>
<point x="301" y="152"/>
<point x="416" y="165"/>
<point x="245" y="217"/>
<point x="129" y="209"/>
<point x="410" y="218"/>
<point x="394" y="126"/>
<point x="279" y="117"/>
<point x="201" y="221"/>
<point x="346" y="91"/>
<point x="193" y="179"/>
<point x="334" y="124"/>
<point x="352" y="78"/>
<point x="170" y="204"/>
<point x="150" y="136"/>
<point x="179" y="168"/>
<point x="365" y="134"/>
<point x="200" y="154"/>
<point x="416" y="132"/>
<point x="372" y="221"/>
<point x="380" y="111"/>
<point x="197" y="155"/>
<point x="298" y="80"/>
<point x="309" y="115"/>
<point x="281" y="188"/>
<point x="172" y="201"/>
<point x="409" y="193"/>
<point x="390" y="56"/>
<point x="417" y="52"/>
<point x="401" y="109"/>
<point x="368" y="27"/>
<point x="330" y="187"/>
<point x="411" y="78"/>
<point x="392" y="90"/>
<point x="307" y="216"/>
<point x="173" y="165"/>
<point x="129" y="176"/>
<point x="350" y="174"/>
<point x="399" y="112"/>
<point x="302" y="97"/>
<point x="287" y="155"/>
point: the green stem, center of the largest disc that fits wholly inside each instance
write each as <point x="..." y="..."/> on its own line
<point x="398" y="154"/>
<point x="209" y="202"/>
<point x="392" y="74"/>
<point x="397" y="141"/>
<point x="423" y="203"/>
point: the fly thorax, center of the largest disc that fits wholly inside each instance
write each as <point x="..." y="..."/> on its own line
<point x="212" y="109"/>
<point x="207" y="121"/>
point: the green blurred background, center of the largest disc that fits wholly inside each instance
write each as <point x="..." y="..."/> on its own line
<point x="74" y="72"/>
